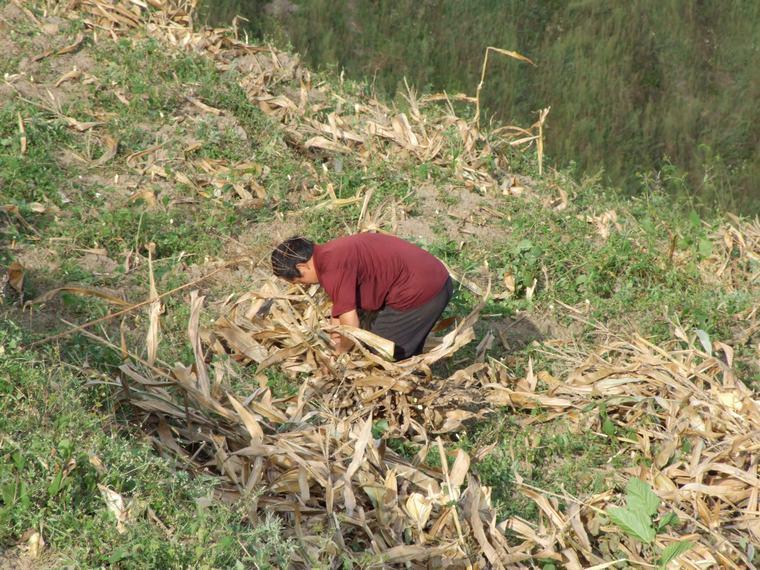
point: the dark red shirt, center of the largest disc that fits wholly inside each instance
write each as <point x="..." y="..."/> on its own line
<point x="368" y="271"/>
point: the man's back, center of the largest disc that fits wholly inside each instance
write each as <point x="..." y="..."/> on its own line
<point x="369" y="271"/>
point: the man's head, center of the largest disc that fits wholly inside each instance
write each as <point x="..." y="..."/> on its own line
<point x="293" y="261"/>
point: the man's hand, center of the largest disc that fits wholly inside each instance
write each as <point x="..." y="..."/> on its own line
<point x="342" y="344"/>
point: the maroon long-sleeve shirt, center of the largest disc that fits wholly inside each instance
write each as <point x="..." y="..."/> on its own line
<point x="368" y="271"/>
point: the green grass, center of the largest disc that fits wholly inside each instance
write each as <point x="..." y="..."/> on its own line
<point x="554" y="457"/>
<point x="59" y="442"/>
<point x="34" y="176"/>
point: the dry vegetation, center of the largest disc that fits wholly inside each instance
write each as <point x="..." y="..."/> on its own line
<point x="319" y="458"/>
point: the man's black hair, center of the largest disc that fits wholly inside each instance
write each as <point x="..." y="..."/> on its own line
<point x="290" y="253"/>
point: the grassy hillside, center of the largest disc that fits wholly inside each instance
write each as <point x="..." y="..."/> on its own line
<point x="637" y="88"/>
<point x="139" y="159"/>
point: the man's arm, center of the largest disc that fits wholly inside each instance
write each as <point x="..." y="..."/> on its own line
<point x="342" y="344"/>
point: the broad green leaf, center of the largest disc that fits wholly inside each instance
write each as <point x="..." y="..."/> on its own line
<point x="669" y="519"/>
<point x="9" y="493"/>
<point x="673" y="551"/>
<point x="65" y="448"/>
<point x="118" y="555"/>
<point x="55" y="484"/>
<point x="608" y="427"/>
<point x="23" y="495"/>
<point x="635" y="524"/>
<point x="704" y="338"/>
<point x="705" y="247"/>
<point x="18" y="460"/>
<point x="379" y="428"/>
<point x="524" y="245"/>
<point x="639" y="497"/>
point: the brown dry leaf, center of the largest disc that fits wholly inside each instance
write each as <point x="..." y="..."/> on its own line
<point x="72" y="75"/>
<point x="459" y="469"/>
<point x="196" y="304"/>
<point x="38" y="208"/>
<point x="117" y="506"/>
<point x="512" y="54"/>
<point x="363" y="437"/>
<point x="111" y="146"/>
<point x="154" y="311"/>
<point x="382" y="345"/>
<point x="16" y="273"/>
<point x="503" y="396"/>
<point x="453" y="420"/>
<point x="249" y="420"/>
<point x="605" y="223"/>
<point x="72" y="47"/>
<point x="509" y="284"/>
<point x="419" y="509"/>
<point x="411" y="553"/>
<point x="22" y="133"/>
<point x="146" y="195"/>
<point x="13" y="211"/>
<point x="476" y="524"/>
<point x="325" y="144"/>
<point x="241" y="341"/>
<point x="81" y="291"/>
<point x="97" y="463"/>
<point x="81" y="126"/>
<point x="36" y="545"/>
<point x="203" y="107"/>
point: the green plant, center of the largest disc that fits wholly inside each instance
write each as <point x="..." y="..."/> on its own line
<point x="637" y="519"/>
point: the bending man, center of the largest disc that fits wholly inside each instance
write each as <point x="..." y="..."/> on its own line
<point x="406" y="286"/>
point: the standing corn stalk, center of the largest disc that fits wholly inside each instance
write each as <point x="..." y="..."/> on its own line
<point x="541" y="114"/>
<point x="512" y="54"/>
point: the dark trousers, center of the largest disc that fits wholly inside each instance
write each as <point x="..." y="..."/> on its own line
<point x="409" y="329"/>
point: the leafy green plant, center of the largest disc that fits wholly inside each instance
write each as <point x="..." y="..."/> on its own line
<point x="637" y="519"/>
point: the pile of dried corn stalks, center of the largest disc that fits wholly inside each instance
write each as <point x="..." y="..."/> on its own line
<point x="735" y="257"/>
<point x="313" y="458"/>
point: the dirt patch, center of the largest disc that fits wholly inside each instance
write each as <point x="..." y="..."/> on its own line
<point x="16" y="559"/>
<point x="97" y="264"/>
<point x="11" y="15"/>
<point x="35" y="258"/>
<point x="417" y="230"/>
<point x="80" y="60"/>
<point x="453" y="212"/>
<point x="8" y="47"/>
<point x="260" y="237"/>
<point x="518" y="331"/>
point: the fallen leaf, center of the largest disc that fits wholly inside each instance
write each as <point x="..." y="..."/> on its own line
<point x="16" y="277"/>
<point x="36" y="545"/>
<point x="81" y="291"/>
<point x="111" y="146"/>
<point x="419" y="509"/>
<point x="117" y="506"/>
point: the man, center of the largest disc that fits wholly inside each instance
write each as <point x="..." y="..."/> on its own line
<point x="407" y="286"/>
